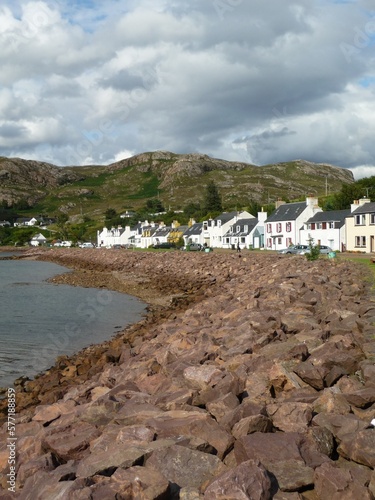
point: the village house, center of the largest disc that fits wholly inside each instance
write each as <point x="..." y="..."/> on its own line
<point x="247" y="233"/>
<point x="37" y="240"/>
<point x="282" y="227"/>
<point x="194" y="233"/>
<point x="326" y="228"/>
<point x="25" y="221"/>
<point x="215" y="229"/>
<point x="360" y="227"/>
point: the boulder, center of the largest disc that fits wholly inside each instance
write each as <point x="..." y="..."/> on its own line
<point x="70" y="442"/>
<point x="248" y="480"/>
<point x="184" y="467"/>
<point x="359" y="447"/>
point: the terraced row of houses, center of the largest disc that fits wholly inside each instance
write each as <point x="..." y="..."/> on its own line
<point x="291" y="223"/>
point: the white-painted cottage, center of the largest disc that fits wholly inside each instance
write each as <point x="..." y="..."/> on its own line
<point x="282" y="227"/>
<point x="326" y="228"/>
<point x="37" y="240"/>
<point x="360" y="227"/>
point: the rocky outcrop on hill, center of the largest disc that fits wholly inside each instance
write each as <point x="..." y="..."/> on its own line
<point x="28" y="179"/>
<point x="256" y="381"/>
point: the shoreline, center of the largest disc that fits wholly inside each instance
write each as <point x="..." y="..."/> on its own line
<point x="160" y="305"/>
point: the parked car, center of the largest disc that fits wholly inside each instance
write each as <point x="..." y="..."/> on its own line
<point x="87" y="244"/>
<point x="323" y="249"/>
<point x="193" y="247"/>
<point x="295" y="249"/>
<point x="165" y="245"/>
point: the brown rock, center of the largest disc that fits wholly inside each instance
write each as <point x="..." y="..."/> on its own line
<point x="359" y="447"/>
<point x="290" y="417"/>
<point x="220" y="407"/>
<point x="248" y="480"/>
<point x="268" y="447"/>
<point x="311" y="374"/>
<point x="333" y="483"/>
<point x="70" y="442"/>
<point x="340" y="425"/>
<point x="248" y="425"/>
<point x="362" y="398"/>
<point x="291" y="475"/>
<point x="184" y="467"/>
<point x="198" y="424"/>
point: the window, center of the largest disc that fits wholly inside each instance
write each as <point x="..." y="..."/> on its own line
<point x="289" y="242"/>
<point x="360" y="220"/>
<point x="288" y="226"/>
<point x="238" y="229"/>
<point x="243" y="239"/>
<point x="331" y="225"/>
<point x="372" y="218"/>
<point x="279" y="241"/>
<point x="246" y="228"/>
<point x="360" y="241"/>
<point x="269" y="242"/>
<point x="278" y="227"/>
<point x="269" y="228"/>
<point x="227" y="240"/>
<point x="318" y="225"/>
<point x="324" y="225"/>
<point x="313" y="225"/>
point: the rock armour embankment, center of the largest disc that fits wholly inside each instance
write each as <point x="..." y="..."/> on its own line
<point x="255" y="381"/>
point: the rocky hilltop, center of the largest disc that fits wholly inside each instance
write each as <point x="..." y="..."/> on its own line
<point x="254" y="380"/>
<point x="29" y="180"/>
<point x="176" y="178"/>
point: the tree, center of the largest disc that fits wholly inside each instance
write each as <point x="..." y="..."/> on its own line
<point x="110" y="213"/>
<point x="154" y="206"/>
<point x="212" y="199"/>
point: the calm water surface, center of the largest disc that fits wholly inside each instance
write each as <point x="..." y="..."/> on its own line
<point x="40" y="321"/>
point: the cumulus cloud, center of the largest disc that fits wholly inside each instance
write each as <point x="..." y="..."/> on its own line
<point x="261" y="82"/>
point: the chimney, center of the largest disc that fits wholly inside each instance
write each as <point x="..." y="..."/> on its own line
<point x="364" y="200"/>
<point x="279" y="202"/>
<point x="262" y="216"/>
<point x="311" y="201"/>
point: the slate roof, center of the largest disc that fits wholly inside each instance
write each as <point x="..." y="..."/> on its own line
<point x="366" y="208"/>
<point x="226" y="216"/>
<point x="162" y="231"/>
<point x="194" y="229"/>
<point x="330" y="216"/>
<point x="250" y="223"/>
<point x="288" y="211"/>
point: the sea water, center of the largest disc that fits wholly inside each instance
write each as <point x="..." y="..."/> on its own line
<point x="40" y="320"/>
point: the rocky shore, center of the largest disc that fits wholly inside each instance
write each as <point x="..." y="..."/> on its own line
<point x="250" y="377"/>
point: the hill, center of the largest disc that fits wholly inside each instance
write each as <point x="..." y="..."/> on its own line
<point x="176" y="179"/>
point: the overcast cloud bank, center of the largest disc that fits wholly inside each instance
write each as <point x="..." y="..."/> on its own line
<point x="92" y="82"/>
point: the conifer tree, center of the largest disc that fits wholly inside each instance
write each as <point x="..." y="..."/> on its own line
<point x="212" y="199"/>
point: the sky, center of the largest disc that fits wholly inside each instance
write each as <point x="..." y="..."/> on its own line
<point x="260" y="81"/>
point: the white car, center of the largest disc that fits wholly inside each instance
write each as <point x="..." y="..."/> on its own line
<point x="323" y="249"/>
<point x="87" y="245"/>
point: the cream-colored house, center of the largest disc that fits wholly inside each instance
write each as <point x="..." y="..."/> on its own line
<point x="360" y="227"/>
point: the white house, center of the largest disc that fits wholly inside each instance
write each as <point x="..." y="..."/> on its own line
<point x="360" y="227"/>
<point x="114" y="236"/>
<point x="282" y="227"/>
<point x="215" y="229"/>
<point x="194" y="233"/>
<point x="37" y="240"/>
<point x="326" y="228"/>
